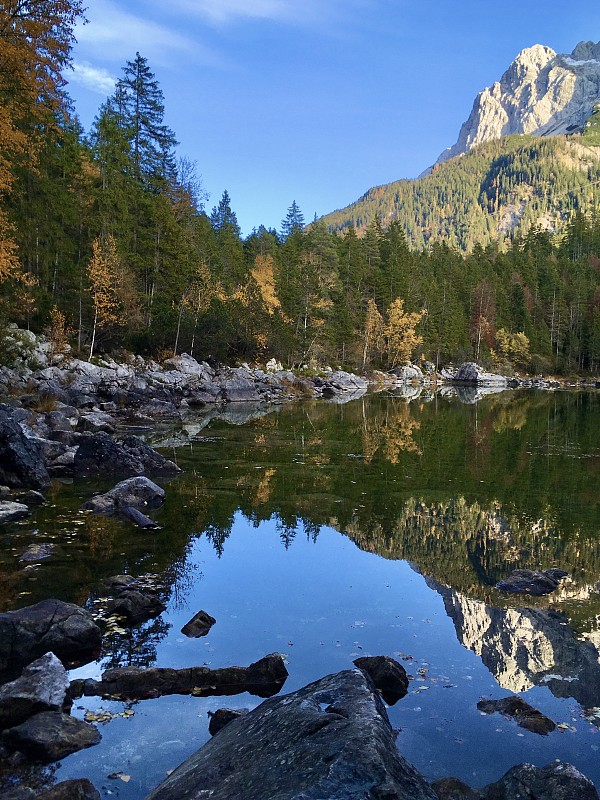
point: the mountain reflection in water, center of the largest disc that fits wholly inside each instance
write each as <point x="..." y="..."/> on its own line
<point x="463" y="492"/>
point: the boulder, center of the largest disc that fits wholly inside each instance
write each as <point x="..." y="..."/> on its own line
<point x="453" y="789"/>
<point x="331" y="739"/>
<point x="556" y="781"/>
<point x="408" y="373"/>
<point x="527" y="581"/>
<point x="10" y="511"/>
<point x="77" y="789"/>
<point x="21" y="461"/>
<point x="64" y="629"/>
<point x="135" y="607"/>
<point x="136" y="492"/>
<point x="99" y="454"/>
<point x="37" y="552"/>
<point x="135" y="516"/>
<point x="263" y="678"/>
<point x="41" y="687"/>
<point x="199" y="625"/>
<point x="96" y="421"/>
<point x="222" y="717"/>
<point x="50" y="736"/>
<point x="516" y="708"/>
<point x="33" y="498"/>
<point x="470" y="372"/>
<point x="387" y="674"/>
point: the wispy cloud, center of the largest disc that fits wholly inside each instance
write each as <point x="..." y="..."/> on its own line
<point x="95" y="78"/>
<point x="114" y="35"/>
<point x="303" y="12"/>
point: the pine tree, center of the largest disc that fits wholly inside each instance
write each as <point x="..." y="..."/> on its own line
<point x="293" y="222"/>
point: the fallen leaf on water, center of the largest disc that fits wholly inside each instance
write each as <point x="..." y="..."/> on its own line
<point x="120" y="776"/>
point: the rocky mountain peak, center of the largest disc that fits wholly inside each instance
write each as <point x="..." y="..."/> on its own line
<point x="542" y="93"/>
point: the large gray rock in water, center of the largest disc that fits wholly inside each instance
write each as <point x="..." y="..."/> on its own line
<point x="77" y="789"/>
<point x="556" y="781"/>
<point x="331" y="739"/>
<point x="64" y="629"/>
<point x="41" y="687"/>
<point x="21" y="459"/>
<point x="50" y="736"/>
<point x="470" y="372"/>
<point x="138" y="491"/>
<point x="387" y="674"/>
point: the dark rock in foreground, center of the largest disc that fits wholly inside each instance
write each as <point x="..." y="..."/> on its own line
<point x="78" y="789"/>
<point x="331" y="739"/>
<point x="41" y="687"/>
<point x="388" y="675"/>
<point x="556" y="781"/>
<point x="21" y="459"/>
<point x="263" y="678"/>
<point x="526" y="716"/>
<point x="527" y="581"/>
<point x="51" y="626"/>
<point x="222" y="717"/>
<point x="199" y="625"/>
<point x="50" y="736"/>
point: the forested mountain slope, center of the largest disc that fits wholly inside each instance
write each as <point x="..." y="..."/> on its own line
<point x="488" y="194"/>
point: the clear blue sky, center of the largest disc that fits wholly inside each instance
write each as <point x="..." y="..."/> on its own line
<point x="314" y="100"/>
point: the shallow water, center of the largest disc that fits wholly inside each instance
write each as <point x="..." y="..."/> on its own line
<point x="326" y="532"/>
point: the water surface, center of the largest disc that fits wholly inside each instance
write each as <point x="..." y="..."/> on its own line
<point x="327" y="531"/>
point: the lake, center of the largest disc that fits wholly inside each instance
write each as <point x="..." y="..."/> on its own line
<point x="329" y="531"/>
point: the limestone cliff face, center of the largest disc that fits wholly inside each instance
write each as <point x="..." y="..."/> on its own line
<point x="542" y="93"/>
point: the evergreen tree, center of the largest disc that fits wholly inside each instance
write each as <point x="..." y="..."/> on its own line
<point x="293" y="222"/>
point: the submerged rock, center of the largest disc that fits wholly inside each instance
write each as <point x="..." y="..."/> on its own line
<point x="263" y="678"/>
<point x="199" y="625"/>
<point x="387" y="674"/>
<point x="135" y="607"/>
<point x="64" y="629"/>
<point x="526" y="716"/>
<point x="331" y="739"/>
<point x="527" y="581"/>
<point x="50" y="736"/>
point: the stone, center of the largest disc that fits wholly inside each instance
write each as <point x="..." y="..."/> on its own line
<point x="138" y="491"/>
<point x="453" y="789"/>
<point x="222" y="717"/>
<point x="77" y="789"/>
<point x="33" y="498"/>
<point x="135" y="607"/>
<point x="21" y="462"/>
<point x="18" y="793"/>
<point x="135" y="516"/>
<point x="50" y="736"/>
<point x="263" y="678"/>
<point x="96" y="421"/>
<point x="470" y="372"/>
<point x="556" y="781"/>
<point x="11" y="511"/>
<point x="99" y="454"/>
<point x="527" y="581"/>
<point x="408" y="373"/>
<point x="199" y="625"/>
<point x="387" y="674"/>
<point x="41" y="687"/>
<point x="331" y="739"/>
<point x="525" y="715"/>
<point x="37" y="552"/>
<point x="64" y="629"/>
